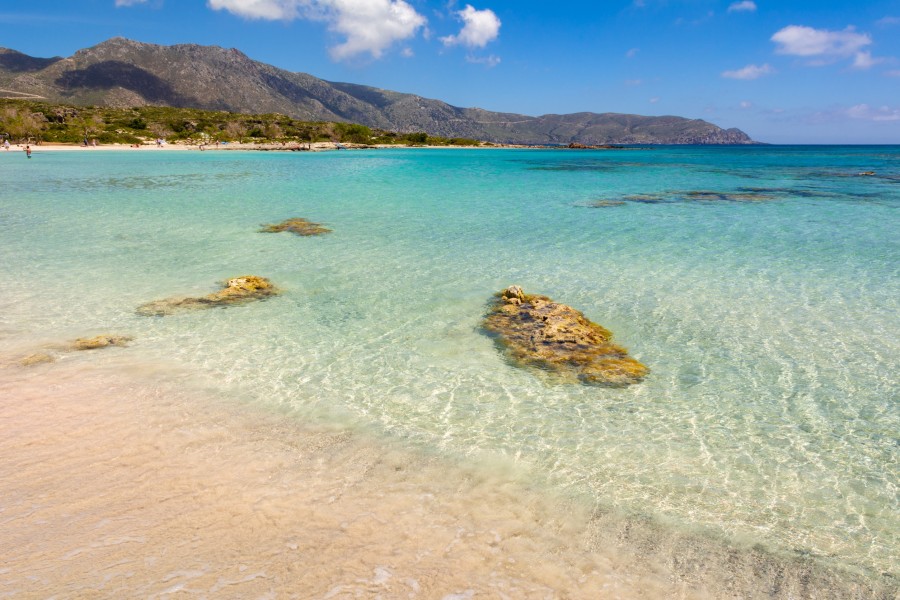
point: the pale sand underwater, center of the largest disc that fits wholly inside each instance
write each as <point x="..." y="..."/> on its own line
<point x="116" y="485"/>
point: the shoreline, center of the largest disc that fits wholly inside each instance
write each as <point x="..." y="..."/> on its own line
<point x="134" y="471"/>
<point x="278" y="147"/>
<point x="231" y="147"/>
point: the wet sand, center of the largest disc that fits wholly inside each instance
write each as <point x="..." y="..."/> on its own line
<point x="113" y="486"/>
<point x="126" y="480"/>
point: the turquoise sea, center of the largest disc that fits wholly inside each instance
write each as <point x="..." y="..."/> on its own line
<point x="759" y="284"/>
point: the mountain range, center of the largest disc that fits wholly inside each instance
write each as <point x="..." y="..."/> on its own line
<point x="124" y="73"/>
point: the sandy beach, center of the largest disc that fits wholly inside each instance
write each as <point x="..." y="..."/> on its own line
<point x="130" y="480"/>
<point x="173" y="147"/>
<point x="232" y="146"/>
<point x="117" y="486"/>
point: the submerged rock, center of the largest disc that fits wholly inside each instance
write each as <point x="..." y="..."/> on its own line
<point x="52" y="352"/>
<point x="745" y="196"/>
<point x="606" y="203"/>
<point x="297" y="226"/>
<point x="100" y="341"/>
<point x="238" y="290"/>
<point x="36" y="359"/>
<point x="646" y="198"/>
<point x="535" y="331"/>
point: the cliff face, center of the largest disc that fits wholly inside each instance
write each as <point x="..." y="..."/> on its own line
<point x="122" y="73"/>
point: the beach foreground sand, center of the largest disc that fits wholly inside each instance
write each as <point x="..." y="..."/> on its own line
<point x="115" y="487"/>
<point x="127" y="480"/>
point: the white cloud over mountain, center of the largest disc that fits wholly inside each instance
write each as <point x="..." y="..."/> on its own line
<point x="370" y="26"/>
<point x="480" y="27"/>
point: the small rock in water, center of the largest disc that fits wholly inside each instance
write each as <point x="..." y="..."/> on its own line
<point x="100" y="341"/>
<point x="297" y="226"/>
<point x="238" y="290"/>
<point x="36" y="359"/>
<point x="538" y="332"/>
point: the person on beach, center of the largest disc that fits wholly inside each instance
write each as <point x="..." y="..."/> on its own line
<point x="6" y="145"/>
<point x="28" y="151"/>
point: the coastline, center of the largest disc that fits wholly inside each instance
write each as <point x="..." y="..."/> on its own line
<point x="260" y="147"/>
<point x="136" y="472"/>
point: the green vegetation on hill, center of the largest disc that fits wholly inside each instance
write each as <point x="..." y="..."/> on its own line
<point x="35" y="122"/>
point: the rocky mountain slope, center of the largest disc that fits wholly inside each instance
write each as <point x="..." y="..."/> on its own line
<point x="123" y="73"/>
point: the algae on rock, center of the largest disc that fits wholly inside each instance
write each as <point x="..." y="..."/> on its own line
<point x="36" y="359"/>
<point x="100" y="341"/>
<point x="297" y="226"/>
<point x="537" y="332"/>
<point x="237" y="290"/>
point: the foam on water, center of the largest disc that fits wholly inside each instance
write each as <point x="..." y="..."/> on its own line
<point x="770" y="416"/>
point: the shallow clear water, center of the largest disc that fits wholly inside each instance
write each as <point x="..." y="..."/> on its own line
<point x="768" y="318"/>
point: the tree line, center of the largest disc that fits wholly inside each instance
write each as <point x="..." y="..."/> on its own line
<point x="27" y="121"/>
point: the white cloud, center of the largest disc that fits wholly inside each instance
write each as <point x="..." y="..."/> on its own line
<point x="370" y="26"/>
<point x="744" y="6"/>
<point x="262" y="9"/>
<point x="633" y="82"/>
<point x="654" y="100"/>
<point x="489" y="61"/>
<point x="745" y="104"/>
<point x="129" y="2"/>
<point x="867" y="113"/>
<point x="895" y="73"/>
<point x="797" y="40"/>
<point x="481" y="27"/>
<point x="865" y="60"/>
<point x="749" y="72"/>
<point x="888" y="21"/>
<point x="632" y="52"/>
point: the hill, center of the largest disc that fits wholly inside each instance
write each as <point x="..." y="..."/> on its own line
<point x="122" y="73"/>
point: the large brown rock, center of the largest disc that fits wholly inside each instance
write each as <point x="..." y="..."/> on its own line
<point x="238" y="290"/>
<point x="535" y="331"/>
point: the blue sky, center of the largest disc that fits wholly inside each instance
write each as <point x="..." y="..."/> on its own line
<point x="783" y="71"/>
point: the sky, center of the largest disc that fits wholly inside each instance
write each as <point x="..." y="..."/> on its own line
<point x="805" y="72"/>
